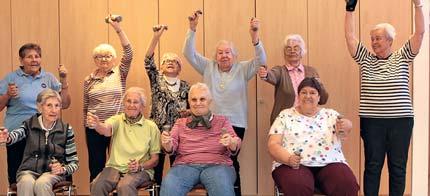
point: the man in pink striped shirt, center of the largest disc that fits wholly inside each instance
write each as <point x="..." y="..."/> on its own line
<point x="203" y="143"/>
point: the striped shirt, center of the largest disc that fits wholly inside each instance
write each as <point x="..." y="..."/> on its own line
<point x="384" y="83"/>
<point x="200" y="145"/>
<point x="104" y="95"/>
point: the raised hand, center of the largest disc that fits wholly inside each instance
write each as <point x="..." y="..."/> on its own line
<point x="114" y="21"/>
<point x="92" y="119"/>
<point x="194" y="19"/>
<point x="254" y="26"/>
<point x="158" y="30"/>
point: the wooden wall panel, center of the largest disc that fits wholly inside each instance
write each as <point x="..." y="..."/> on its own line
<point x="287" y="17"/>
<point x="174" y="14"/>
<point x="137" y="24"/>
<point x="328" y="53"/>
<point x="372" y="13"/>
<point x="36" y="21"/>
<point x="82" y="29"/>
<point x="5" y="67"/>
<point x="229" y="20"/>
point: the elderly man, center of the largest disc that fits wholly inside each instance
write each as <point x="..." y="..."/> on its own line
<point x="286" y="78"/>
<point x="227" y="78"/>
<point x="135" y="147"/>
<point x="203" y="143"/>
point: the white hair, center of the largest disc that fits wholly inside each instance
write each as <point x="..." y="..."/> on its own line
<point x="230" y="44"/>
<point x="104" y="48"/>
<point x="139" y="91"/>
<point x="299" y="39"/>
<point x="203" y="87"/>
<point x="388" y="28"/>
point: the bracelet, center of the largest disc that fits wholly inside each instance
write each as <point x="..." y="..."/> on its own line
<point x="256" y="43"/>
<point x="118" y="31"/>
<point x="419" y="6"/>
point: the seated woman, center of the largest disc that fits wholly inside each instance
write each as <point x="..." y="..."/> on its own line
<point x="305" y="142"/>
<point x="134" y="150"/>
<point x="203" y="144"/>
<point x="50" y="150"/>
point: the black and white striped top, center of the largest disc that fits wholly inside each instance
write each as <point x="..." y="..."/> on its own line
<point x="384" y="83"/>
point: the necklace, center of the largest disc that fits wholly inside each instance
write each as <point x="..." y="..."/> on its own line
<point x="168" y="80"/>
<point x="170" y="84"/>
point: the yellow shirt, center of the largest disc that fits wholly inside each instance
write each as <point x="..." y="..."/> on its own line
<point x="132" y="141"/>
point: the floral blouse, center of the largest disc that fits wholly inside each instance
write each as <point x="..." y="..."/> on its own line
<point x="166" y="104"/>
<point x="313" y="138"/>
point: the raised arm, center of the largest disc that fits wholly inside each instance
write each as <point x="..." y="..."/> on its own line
<point x="350" y="37"/>
<point x="418" y="35"/>
<point x="196" y="60"/>
<point x="158" y="31"/>
<point x="121" y="34"/>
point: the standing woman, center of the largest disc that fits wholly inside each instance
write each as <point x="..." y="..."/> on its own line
<point x="386" y="114"/>
<point x="286" y="78"/>
<point x="227" y="78"/>
<point x="18" y="92"/>
<point x="169" y="93"/>
<point x="103" y="92"/>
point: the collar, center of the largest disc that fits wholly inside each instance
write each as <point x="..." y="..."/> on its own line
<point x="93" y="75"/>
<point x="21" y="72"/>
<point x="204" y="121"/>
<point x="299" y="68"/>
<point x="35" y="125"/>
<point x="40" y="119"/>
<point x="140" y="122"/>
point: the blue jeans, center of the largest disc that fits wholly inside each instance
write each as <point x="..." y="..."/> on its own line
<point x="217" y="179"/>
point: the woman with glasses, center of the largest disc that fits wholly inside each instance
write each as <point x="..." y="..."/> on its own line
<point x="103" y="92"/>
<point x="286" y="78"/>
<point x="169" y="93"/>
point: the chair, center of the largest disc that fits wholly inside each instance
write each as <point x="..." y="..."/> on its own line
<point x="317" y="192"/>
<point x="150" y="186"/>
<point x="64" y="187"/>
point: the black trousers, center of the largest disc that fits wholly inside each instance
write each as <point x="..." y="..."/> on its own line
<point x="98" y="146"/>
<point x="390" y="137"/>
<point x="15" y="152"/>
<point x="158" y="170"/>
<point x="240" y="132"/>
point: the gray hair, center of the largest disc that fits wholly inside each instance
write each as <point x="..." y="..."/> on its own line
<point x="388" y="28"/>
<point x="230" y="44"/>
<point x="139" y="91"/>
<point x="299" y="39"/>
<point x="46" y="94"/>
<point x="104" y="48"/>
<point x="201" y="86"/>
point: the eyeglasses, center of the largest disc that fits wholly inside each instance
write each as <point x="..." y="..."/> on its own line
<point x="295" y="49"/>
<point x="101" y="57"/>
<point x="167" y="61"/>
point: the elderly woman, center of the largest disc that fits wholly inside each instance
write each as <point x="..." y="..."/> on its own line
<point x="386" y="114"/>
<point x="50" y="150"/>
<point x="135" y="147"/>
<point x="227" y="78"/>
<point x="18" y="92"/>
<point x="203" y="144"/>
<point x="286" y="78"/>
<point x="103" y="92"/>
<point x="305" y="142"/>
<point x="169" y="93"/>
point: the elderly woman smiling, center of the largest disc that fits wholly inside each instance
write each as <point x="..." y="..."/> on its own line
<point x="305" y="142"/>
<point x="103" y="92"/>
<point x="386" y="113"/>
<point x="135" y="147"/>
<point x="203" y="143"/>
<point x="50" y="149"/>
